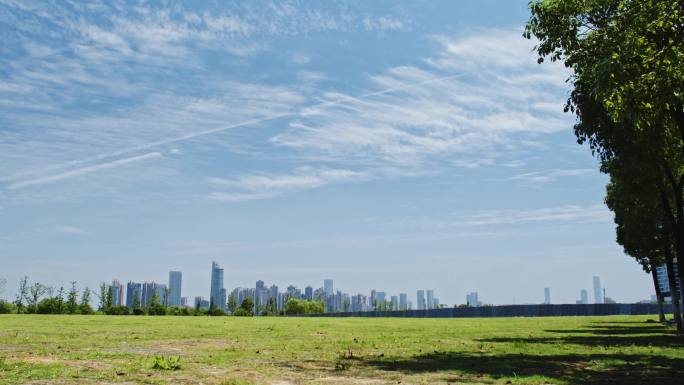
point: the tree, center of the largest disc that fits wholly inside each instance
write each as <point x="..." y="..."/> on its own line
<point x="105" y="296"/>
<point x="298" y="306"/>
<point x="22" y="294"/>
<point x="60" y="300"/>
<point x="72" y="299"/>
<point x="84" y="307"/>
<point x="628" y="88"/>
<point x="155" y="307"/>
<point x="232" y="303"/>
<point x="246" y="308"/>
<point x="641" y="230"/>
<point x="36" y="291"/>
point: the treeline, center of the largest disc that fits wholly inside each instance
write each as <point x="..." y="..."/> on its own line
<point x="36" y="298"/>
<point x="627" y="94"/>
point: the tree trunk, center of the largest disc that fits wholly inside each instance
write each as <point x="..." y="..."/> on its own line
<point x="659" y="294"/>
<point x="674" y="293"/>
<point x="669" y="260"/>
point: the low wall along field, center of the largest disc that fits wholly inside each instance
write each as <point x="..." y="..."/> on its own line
<point x="513" y="311"/>
<point x="64" y="349"/>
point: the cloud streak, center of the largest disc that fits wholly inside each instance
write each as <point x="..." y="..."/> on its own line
<point x="82" y="171"/>
<point x="268" y="185"/>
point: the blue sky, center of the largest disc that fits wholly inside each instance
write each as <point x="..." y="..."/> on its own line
<point x="387" y="145"/>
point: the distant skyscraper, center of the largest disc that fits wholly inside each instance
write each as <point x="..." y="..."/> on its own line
<point x="472" y="299"/>
<point x="328" y="286"/>
<point x="151" y="290"/>
<point x="547" y="296"/>
<point x="117" y="293"/>
<point x="217" y="293"/>
<point x="395" y="302"/>
<point x="308" y="293"/>
<point x="598" y="298"/>
<point x="175" y="282"/>
<point x="664" y="280"/>
<point x="420" y="299"/>
<point x="403" y="301"/>
<point x="584" y="297"/>
<point x="133" y="295"/>
<point x="430" y="299"/>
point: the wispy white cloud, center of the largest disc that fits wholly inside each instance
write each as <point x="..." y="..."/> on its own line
<point x="415" y="115"/>
<point x="565" y="214"/>
<point x="550" y="175"/>
<point x="268" y="185"/>
<point x="70" y="230"/>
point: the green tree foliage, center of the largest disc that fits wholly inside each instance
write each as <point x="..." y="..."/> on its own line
<point x="22" y="294"/>
<point x="246" y="308"/>
<point x="298" y="306"/>
<point x="7" y="308"/>
<point x="627" y="59"/>
<point x="36" y="291"/>
<point x="72" y="299"/>
<point x="155" y="307"/>
<point x="232" y="303"/>
<point x="84" y="306"/>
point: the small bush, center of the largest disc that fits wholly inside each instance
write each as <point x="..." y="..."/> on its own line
<point x="156" y="310"/>
<point x="117" y="310"/>
<point x="215" y="311"/>
<point x="7" y="308"/>
<point x="240" y="312"/>
<point x="138" y="311"/>
<point x="166" y="363"/>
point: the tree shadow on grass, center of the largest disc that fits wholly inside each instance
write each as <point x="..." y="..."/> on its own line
<point x="595" y="341"/>
<point x="576" y="369"/>
<point x="605" y="335"/>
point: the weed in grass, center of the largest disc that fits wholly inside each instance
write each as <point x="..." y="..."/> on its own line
<point x="166" y="363"/>
<point x="236" y="381"/>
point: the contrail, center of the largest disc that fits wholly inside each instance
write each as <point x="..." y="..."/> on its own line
<point x="82" y="171"/>
<point x="180" y="138"/>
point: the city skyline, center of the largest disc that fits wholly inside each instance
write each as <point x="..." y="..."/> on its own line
<point x="141" y="294"/>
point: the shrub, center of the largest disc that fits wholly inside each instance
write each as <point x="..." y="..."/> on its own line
<point x="85" y="309"/>
<point x="240" y="312"/>
<point x="216" y="311"/>
<point x="117" y="310"/>
<point x="7" y="308"/>
<point x="138" y="311"/>
<point x="156" y="310"/>
<point x="166" y="363"/>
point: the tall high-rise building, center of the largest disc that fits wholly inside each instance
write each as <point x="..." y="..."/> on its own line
<point x="151" y="290"/>
<point x="133" y="295"/>
<point x="395" y="302"/>
<point x="218" y="293"/>
<point x="117" y="293"/>
<point x="430" y="299"/>
<point x="664" y="280"/>
<point x="420" y="300"/>
<point x="584" y="297"/>
<point x="328" y="286"/>
<point x="598" y="297"/>
<point x="308" y="293"/>
<point x="472" y="299"/>
<point x="547" y="296"/>
<point x="175" y="282"/>
<point x="403" y="301"/>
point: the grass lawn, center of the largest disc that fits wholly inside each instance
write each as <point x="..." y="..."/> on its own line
<point x="230" y="350"/>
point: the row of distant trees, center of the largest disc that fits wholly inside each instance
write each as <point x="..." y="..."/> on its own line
<point x="627" y="63"/>
<point x="36" y="298"/>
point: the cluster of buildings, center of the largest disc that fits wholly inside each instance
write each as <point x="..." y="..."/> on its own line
<point x="266" y="297"/>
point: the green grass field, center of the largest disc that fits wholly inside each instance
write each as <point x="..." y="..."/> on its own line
<point x="281" y="351"/>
